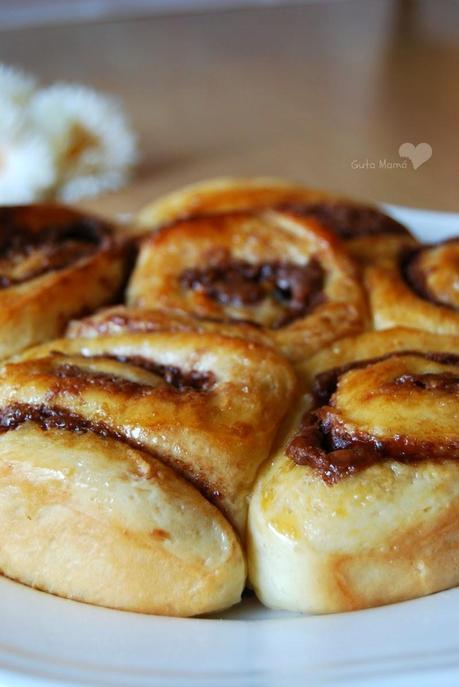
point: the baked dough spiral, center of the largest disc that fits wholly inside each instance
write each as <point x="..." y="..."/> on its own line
<point x="369" y="233"/>
<point x="47" y="253"/>
<point x="120" y="458"/>
<point x="209" y="408"/>
<point x="420" y="289"/>
<point x="359" y="505"/>
<point x="277" y="270"/>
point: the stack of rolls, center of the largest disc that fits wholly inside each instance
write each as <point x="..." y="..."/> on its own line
<point x="258" y="384"/>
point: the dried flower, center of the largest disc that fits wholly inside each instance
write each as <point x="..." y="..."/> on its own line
<point x="26" y="168"/>
<point x="60" y="142"/>
<point x="91" y="143"/>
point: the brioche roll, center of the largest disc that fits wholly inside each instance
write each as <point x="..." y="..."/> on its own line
<point x="279" y="271"/>
<point x="55" y="264"/>
<point x="205" y="404"/>
<point x="359" y="504"/>
<point x="420" y="289"/>
<point x="368" y="232"/>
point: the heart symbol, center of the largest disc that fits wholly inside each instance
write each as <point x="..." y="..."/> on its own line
<point x="417" y="154"/>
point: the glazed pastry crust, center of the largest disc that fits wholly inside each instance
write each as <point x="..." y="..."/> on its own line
<point x="92" y="519"/>
<point x="216" y="437"/>
<point x="394" y="302"/>
<point x="385" y="533"/>
<point x="38" y="309"/>
<point x="256" y="238"/>
<point x="231" y="194"/>
<point x="225" y="195"/>
<point x="373" y="345"/>
<point x="122" y="320"/>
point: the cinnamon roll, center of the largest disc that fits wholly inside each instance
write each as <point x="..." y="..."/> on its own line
<point x="206" y="405"/>
<point x="359" y="504"/>
<point x="120" y="458"/>
<point x="369" y="233"/>
<point x="55" y="263"/>
<point x="280" y="271"/>
<point x="420" y="289"/>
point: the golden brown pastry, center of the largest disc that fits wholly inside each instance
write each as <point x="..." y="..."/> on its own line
<point x="371" y="345"/>
<point x="277" y="270"/>
<point x="90" y="518"/>
<point x="369" y="233"/>
<point x="359" y="504"/>
<point x="117" y="455"/>
<point x="55" y="264"/>
<point x="122" y="320"/>
<point x="420" y="289"/>
<point x="205" y="404"/>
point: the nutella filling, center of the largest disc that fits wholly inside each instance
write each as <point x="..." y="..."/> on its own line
<point x="349" y="221"/>
<point x="28" y="252"/>
<point x="180" y="380"/>
<point x="334" y="452"/>
<point x="16" y="414"/>
<point x="446" y="381"/>
<point x="54" y="417"/>
<point x="74" y="376"/>
<point x="314" y="446"/>
<point x="298" y="288"/>
<point x="325" y="383"/>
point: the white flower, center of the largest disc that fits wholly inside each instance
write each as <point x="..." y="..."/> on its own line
<point x="16" y="87"/>
<point x="92" y="144"/>
<point x="26" y="167"/>
<point x="60" y="142"/>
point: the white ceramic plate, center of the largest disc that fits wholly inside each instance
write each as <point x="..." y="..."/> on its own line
<point x="45" y="640"/>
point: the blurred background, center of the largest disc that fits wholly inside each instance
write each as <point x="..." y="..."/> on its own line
<point x="321" y="92"/>
<point x="27" y="12"/>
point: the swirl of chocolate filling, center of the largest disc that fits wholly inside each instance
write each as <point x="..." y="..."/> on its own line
<point x="53" y="417"/>
<point x="298" y="288"/>
<point x="73" y="379"/>
<point x="416" y="278"/>
<point x="348" y="221"/>
<point x="180" y="380"/>
<point x="335" y="453"/>
<point x="31" y="247"/>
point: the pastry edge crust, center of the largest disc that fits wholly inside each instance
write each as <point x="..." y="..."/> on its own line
<point x="55" y="538"/>
<point x="300" y="578"/>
